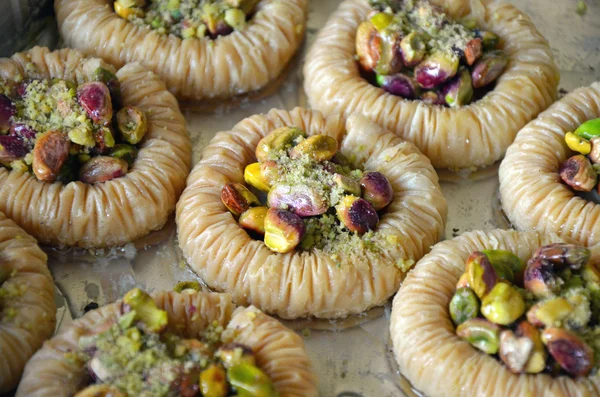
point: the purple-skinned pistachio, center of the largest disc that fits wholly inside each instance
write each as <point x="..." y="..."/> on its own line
<point x="432" y="98"/>
<point x="49" y="154"/>
<point x="7" y="111"/>
<point x="95" y="99"/>
<point x="302" y="200"/>
<point x="357" y="214"/>
<point x="459" y="91"/>
<point x="570" y="351"/>
<point x="413" y="49"/>
<point x="488" y="68"/>
<point x="564" y="255"/>
<point x="12" y="148"/>
<point x="436" y="69"/>
<point x="376" y="189"/>
<point x="577" y="172"/>
<point x="24" y="132"/>
<point x="400" y="85"/>
<point x="489" y="40"/>
<point x="283" y="230"/>
<point x="540" y="278"/>
<point x="102" y="168"/>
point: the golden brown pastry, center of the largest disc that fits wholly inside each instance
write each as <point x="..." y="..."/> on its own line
<point x="471" y="136"/>
<point x="107" y="213"/>
<point x="27" y="308"/>
<point x="310" y="282"/>
<point x="59" y="368"/>
<point x="533" y="195"/>
<point x="244" y="61"/>
<point x="429" y="352"/>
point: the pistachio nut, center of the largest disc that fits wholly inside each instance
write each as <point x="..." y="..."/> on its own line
<point x="187" y="286"/>
<point x="433" y="98"/>
<point x="473" y="50"/>
<point x="237" y="198"/>
<point x="368" y="45"/>
<point x="318" y="147"/>
<point x="503" y="304"/>
<point x="213" y="381"/>
<point x="154" y="319"/>
<point x="413" y="48"/>
<point x="283" y="230"/>
<point x="132" y="124"/>
<point x="13" y="148"/>
<point x="508" y="266"/>
<point x="577" y="172"/>
<point x="126" y="12"/>
<point x="357" y="214"/>
<point x="7" y="111"/>
<point x="125" y="152"/>
<point x="376" y="189"/>
<point x="489" y="67"/>
<point x="459" y="90"/>
<point x="49" y="154"/>
<point x="280" y="139"/>
<point x="102" y="168"/>
<point x="464" y="306"/>
<point x="549" y="313"/>
<point x="540" y="279"/>
<point x="399" y="84"/>
<point x="254" y="177"/>
<point x="300" y="199"/>
<point x="95" y="99"/>
<point x="105" y="139"/>
<point x="249" y="380"/>
<point x="481" y="275"/>
<point x="463" y="281"/>
<point x="112" y="82"/>
<point x="588" y="130"/>
<point x="564" y="255"/>
<point x="269" y="171"/>
<point x="436" y="69"/>
<point x="489" y="40"/>
<point x="578" y="144"/>
<point x="515" y="351"/>
<point x="537" y="360"/>
<point x="390" y="56"/>
<point x="349" y="185"/>
<point x="594" y="153"/>
<point x="253" y="219"/>
<point x="381" y="20"/>
<point x="480" y="333"/>
<point x="570" y="351"/>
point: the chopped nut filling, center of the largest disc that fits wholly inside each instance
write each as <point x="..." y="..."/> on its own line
<point x="412" y="49"/>
<point x="63" y="132"/>
<point x="315" y="199"/>
<point x="188" y="18"/>
<point x="137" y="356"/>
<point x="540" y="317"/>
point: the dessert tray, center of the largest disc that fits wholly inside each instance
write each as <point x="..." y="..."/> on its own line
<point x="352" y="357"/>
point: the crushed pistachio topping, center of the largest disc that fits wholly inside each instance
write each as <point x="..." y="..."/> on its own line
<point x="315" y="199"/>
<point x="61" y="131"/>
<point x="543" y="316"/>
<point x="188" y="18"/>
<point x="138" y="359"/>
<point x="413" y="49"/>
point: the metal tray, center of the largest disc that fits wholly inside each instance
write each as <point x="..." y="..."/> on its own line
<point x="352" y="357"/>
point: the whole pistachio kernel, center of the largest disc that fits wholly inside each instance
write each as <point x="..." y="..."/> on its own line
<point x="549" y="313"/>
<point x="237" y="198"/>
<point x="502" y="260"/>
<point x="436" y="69"/>
<point x="125" y="152"/>
<point x="480" y="333"/>
<point x="564" y="255"/>
<point x="213" y="381"/>
<point x="588" y="130"/>
<point x="376" y="189"/>
<point x="102" y="168"/>
<point x="253" y="219"/>
<point x="302" y="200"/>
<point x="232" y="354"/>
<point x="357" y="214"/>
<point x="537" y="360"/>
<point x="464" y="306"/>
<point x="489" y="67"/>
<point x="577" y="172"/>
<point x="132" y="124"/>
<point x="481" y="275"/>
<point x="318" y="147"/>
<point x="571" y="352"/>
<point x="254" y="177"/>
<point x="280" y="139"/>
<point x="515" y="350"/>
<point x="249" y="380"/>
<point x="49" y="154"/>
<point x="578" y="144"/>
<point x="95" y="99"/>
<point x="368" y="45"/>
<point x="82" y="136"/>
<point x="503" y="304"/>
<point x="283" y="230"/>
<point x="154" y="319"/>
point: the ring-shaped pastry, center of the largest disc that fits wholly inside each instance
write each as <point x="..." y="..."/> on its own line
<point x="430" y="354"/>
<point x="193" y="69"/>
<point x="278" y="350"/>
<point x="113" y="212"/>
<point x="301" y="284"/>
<point x="533" y="195"/>
<point x="472" y="136"/>
<point x="29" y="297"/>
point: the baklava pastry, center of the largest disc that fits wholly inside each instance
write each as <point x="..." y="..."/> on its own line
<point x="175" y="344"/>
<point x="548" y="180"/>
<point x="27" y="308"/>
<point x="200" y="49"/>
<point x="500" y="313"/>
<point x="305" y="215"/>
<point x="88" y="157"/>
<point x="457" y="78"/>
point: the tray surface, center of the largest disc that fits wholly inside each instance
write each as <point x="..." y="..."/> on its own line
<point x="351" y="357"/>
